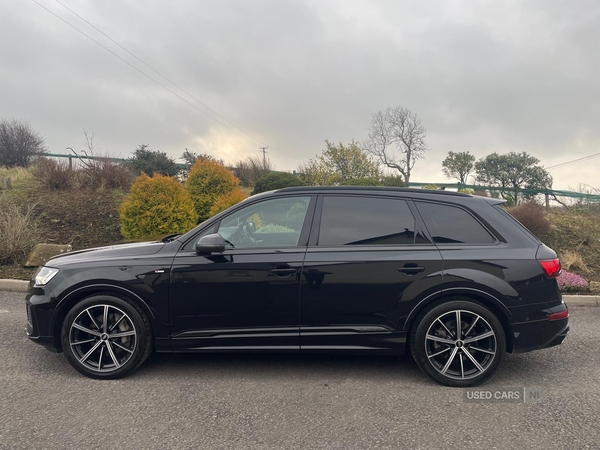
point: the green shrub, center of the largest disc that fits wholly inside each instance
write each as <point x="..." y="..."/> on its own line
<point x="430" y="187"/>
<point x="393" y="181"/>
<point x="467" y="191"/>
<point x="156" y="206"/>
<point x="208" y="180"/>
<point x="276" y="180"/>
<point x="227" y="201"/>
<point x="145" y="160"/>
<point x="362" y="182"/>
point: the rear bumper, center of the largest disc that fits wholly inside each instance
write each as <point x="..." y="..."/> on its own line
<point x="540" y="334"/>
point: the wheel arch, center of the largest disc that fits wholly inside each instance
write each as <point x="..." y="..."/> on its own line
<point x="481" y="297"/>
<point x="79" y="294"/>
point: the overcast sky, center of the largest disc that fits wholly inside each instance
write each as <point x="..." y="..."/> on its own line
<point x="483" y="76"/>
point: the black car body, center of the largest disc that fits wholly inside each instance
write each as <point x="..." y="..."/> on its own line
<point x="335" y="269"/>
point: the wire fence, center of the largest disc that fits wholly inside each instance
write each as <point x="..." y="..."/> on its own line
<point x="559" y="196"/>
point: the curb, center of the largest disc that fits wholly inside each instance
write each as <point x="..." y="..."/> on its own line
<point x="14" y="285"/>
<point x="581" y="300"/>
<point x="570" y="300"/>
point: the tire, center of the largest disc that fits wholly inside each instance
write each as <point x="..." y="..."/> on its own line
<point x="107" y="352"/>
<point x="476" y="354"/>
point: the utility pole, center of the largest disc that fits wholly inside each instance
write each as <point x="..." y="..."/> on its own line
<point x="264" y="152"/>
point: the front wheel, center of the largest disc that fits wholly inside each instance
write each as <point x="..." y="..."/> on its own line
<point x="458" y="343"/>
<point x="106" y="337"/>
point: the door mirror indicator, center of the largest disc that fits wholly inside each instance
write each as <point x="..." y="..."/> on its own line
<point x="211" y="243"/>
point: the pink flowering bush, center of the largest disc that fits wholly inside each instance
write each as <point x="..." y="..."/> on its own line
<point x="569" y="282"/>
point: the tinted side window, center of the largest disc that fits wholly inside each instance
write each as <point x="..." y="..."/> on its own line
<point x="271" y="223"/>
<point x="365" y="221"/>
<point x="452" y="225"/>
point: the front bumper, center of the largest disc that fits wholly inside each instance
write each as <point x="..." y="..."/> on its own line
<point x="40" y="305"/>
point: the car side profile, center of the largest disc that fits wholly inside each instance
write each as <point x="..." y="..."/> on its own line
<point x="451" y="278"/>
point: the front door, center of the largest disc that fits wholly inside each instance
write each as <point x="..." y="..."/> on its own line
<point x="365" y="263"/>
<point x="245" y="298"/>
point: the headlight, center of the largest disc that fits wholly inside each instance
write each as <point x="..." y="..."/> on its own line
<point x="44" y="275"/>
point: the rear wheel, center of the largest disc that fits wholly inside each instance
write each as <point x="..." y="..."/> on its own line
<point x="106" y="337"/>
<point x="458" y="343"/>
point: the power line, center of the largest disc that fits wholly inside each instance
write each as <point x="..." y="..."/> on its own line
<point x="152" y="79"/>
<point x="572" y="161"/>
<point x="158" y="73"/>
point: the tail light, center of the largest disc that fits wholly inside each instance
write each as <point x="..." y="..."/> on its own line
<point x="551" y="267"/>
<point x="559" y="315"/>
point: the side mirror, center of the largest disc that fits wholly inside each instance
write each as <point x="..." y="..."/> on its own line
<point x="211" y="243"/>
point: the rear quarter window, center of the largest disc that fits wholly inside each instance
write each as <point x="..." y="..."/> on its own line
<point x="453" y="225"/>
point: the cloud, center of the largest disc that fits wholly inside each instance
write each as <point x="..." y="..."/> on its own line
<point x="483" y="76"/>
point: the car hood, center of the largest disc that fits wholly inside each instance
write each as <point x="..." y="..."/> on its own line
<point x="108" y="252"/>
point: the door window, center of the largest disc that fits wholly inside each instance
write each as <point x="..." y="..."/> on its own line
<point x="365" y="221"/>
<point x="272" y="223"/>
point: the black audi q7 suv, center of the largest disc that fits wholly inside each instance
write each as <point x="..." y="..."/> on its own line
<point x="451" y="277"/>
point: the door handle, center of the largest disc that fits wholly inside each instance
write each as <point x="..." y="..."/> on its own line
<point x="284" y="272"/>
<point x="411" y="269"/>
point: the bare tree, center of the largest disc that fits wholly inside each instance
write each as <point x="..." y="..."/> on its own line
<point x="397" y="139"/>
<point x="252" y="168"/>
<point x="19" y="143"/>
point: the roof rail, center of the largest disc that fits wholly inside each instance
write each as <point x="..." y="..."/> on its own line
<point x="371" y="188"/>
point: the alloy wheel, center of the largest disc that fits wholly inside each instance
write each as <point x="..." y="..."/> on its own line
<point x="103" y="338"/>
<point x="460" y="344"/>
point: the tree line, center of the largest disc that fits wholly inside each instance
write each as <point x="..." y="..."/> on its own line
<point x="396" y="142"/>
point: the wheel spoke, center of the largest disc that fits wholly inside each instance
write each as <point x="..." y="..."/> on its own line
<point x="122" y="347"/>
<point x="462" y="368"/>
<point x="480" y="337"/>
<point x="92" y="350"/>
<point x="458" y="325"/>
<point x="450" y="333"/>
<point x="122" y="334"/>
<point x="86" y="330"/>
<point x="471" y="327"/>
<point x="112" y="354"/>
<point x="92" y="319"/>
<point x="105" y="320"/>
<point x="483" y="350"/>
<point x="450" y="359"/>
<point x="100" y="359"/>
<point x="439" y="353"/>
<point x="82" y="342"/>
<point x="474" y="361"/>
<point x="116" y="324"/>
<point x="431" y="337"/>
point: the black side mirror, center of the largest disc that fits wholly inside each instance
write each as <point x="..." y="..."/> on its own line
<point x="211" y="243"/>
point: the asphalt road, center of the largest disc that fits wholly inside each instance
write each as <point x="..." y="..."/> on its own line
<point x="292" y="401"/>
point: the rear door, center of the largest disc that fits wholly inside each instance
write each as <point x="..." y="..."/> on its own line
<point x="366" y="263"/>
